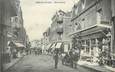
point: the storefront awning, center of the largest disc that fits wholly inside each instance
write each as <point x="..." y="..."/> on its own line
<point x="53" y="45"/>
<point x="93" y="35"/>
<point x="48" y="46"/>
<point x="95" y="32"/>
<point x="58" y="45"/>
<point x="19" y="45"/>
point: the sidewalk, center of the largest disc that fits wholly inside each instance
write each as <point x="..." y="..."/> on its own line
<point x="95" y="66"/>
<point x="12" y="63"/>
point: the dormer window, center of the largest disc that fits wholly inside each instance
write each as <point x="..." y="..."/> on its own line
<point x="78" y="26"/>
<point x="76" y="10"/>
<point x="83" y="3"/>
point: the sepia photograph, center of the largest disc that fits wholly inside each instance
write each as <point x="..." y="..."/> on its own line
<point x="57" y="35"/>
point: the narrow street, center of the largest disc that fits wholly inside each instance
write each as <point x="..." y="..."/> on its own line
<point x="73" y="31"/>
<point x="42" y="63"/>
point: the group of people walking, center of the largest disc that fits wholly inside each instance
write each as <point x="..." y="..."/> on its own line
<point x="70" y="58"/>
<point x="38" y="51"/>
<point x="35" y="51"/>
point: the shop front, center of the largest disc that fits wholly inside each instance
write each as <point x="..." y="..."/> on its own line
<point x="20" y="49"/>
<point x="63" y="46"/>
<point x="13" y="51"/>
<point x="8" y="55"/>
<point x="95" y="42"/>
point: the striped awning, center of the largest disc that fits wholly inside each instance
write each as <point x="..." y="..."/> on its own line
<point x="58" y="45"/>
<point x="48" y="46"/>
<point x="53" y="45"/>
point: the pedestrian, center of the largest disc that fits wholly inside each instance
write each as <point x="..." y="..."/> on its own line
<point x="67" y="59"/>
<point x="63" y="58"/>
<point x="35" y="51"/>
<point x="76" y="57"/>
<point x="56" y="57"/>
<point x="8" y="54"/>
<point x="71" y="57"/>
<point x="14" y="53"/>
<point x="40" y="51"/>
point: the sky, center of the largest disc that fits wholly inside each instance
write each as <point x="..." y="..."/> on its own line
<point x="37" y="14"/>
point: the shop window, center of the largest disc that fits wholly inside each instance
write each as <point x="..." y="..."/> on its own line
<point x="87" y="50"/>
<point x="83" y="42"/>
<point x="87" y="42"/>
<point x="93" y="42"/>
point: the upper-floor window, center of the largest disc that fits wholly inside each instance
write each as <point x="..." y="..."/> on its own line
<point x="78" y="26"/>
<point x="100" y="11"/>
<point x="16" y="19"/>
<point x="83" y="3"/>
<point x="76" y="10"/>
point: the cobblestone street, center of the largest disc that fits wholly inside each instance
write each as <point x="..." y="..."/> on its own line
<point x="42" y="63"/>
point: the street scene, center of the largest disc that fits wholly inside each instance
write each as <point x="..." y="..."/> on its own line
<point x="42" y="63"/>
<point x="57" y="36"/>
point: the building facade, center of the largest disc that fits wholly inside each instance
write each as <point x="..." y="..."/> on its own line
<point x="113" y="29"/>
<point x="67" y="26"/>
<point x="46" y="39"/>
<point x="59" y="30"/>
<point x="10" y="23"/>
<point x="92" y="27"/>
<point x="8" y="9"/>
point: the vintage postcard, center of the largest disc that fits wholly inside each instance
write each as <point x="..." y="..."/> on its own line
<point x="57" y="35"/>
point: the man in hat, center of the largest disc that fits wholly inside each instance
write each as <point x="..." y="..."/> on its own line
<point x="56" y="57"/>
<point x="76" y="56"/>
